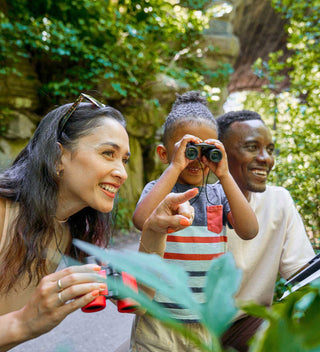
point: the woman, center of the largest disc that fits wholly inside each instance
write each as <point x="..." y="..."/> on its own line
<point x="62" y="186"/>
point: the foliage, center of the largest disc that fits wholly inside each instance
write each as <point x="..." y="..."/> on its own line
<point x="5" y="117"/>
<point x="279" y="289"/>
<point x="294" y="111"/>
<point x="122" y="215"/>
<point x="290" y="325"/>
<point x="77" y="45"/>
<point x="223" y="281"/>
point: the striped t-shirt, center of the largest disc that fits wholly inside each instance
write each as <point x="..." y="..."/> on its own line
<point x="194" y="247"/>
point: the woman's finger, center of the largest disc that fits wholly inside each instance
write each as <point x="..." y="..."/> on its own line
<point x="77" y="303"/>
<point x="78" y="278"/>
<point x="75" y="291"/>
<point x="87" y="268"/>
<point x="186" y="210"/>
<point x="173" y="200"/>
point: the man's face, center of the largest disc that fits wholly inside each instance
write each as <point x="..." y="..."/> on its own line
<point x="249" y="148"/>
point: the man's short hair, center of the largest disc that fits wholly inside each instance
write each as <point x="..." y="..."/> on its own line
<point x="224" y="121"/>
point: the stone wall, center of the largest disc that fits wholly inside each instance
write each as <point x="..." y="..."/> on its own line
<point x="18" y="103"/>
<point x="260" y="31"/>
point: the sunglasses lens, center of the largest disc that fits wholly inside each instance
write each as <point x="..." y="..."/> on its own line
<point x="66" y="116"/>
<point x="93" y="100"/>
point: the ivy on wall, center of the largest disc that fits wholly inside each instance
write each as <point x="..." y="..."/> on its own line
<point x="75" y="45"/>
<point x="294" y="112"/>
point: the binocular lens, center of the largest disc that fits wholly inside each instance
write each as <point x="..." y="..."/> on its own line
<point x="192" y="152"/>
<point x="210" y="151"/>
<point x="215" y="155"/>
<point x="127" y="305"/>
<point x="95" y="306"/>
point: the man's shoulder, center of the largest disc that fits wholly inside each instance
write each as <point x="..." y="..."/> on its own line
<point x="274" y="191"/>
<point x="277" y="196"/>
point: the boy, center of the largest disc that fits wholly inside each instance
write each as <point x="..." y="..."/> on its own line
<point x="194" y="247"/>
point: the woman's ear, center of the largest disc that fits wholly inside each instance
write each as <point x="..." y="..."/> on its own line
<point x="162" y="153"/>
<point x="59" y="165"/>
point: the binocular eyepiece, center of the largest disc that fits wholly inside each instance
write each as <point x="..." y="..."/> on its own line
<point x="210" y="151"/>
<point x="125" y="305"/>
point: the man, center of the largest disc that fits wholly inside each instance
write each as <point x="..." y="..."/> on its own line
<point x="281" y="245"/>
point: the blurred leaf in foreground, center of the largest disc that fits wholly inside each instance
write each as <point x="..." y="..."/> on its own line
<point x="223" y="280"/>
<point x="291" y="324"/>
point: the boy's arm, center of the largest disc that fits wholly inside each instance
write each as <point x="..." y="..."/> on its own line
<point x="159" y="191"/>
<point x="242" y="218"/>
<point x="167" y="180"/>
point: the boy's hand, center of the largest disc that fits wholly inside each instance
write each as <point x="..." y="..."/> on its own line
<point x="221" y="168"/>
<point x="179" y="158"/>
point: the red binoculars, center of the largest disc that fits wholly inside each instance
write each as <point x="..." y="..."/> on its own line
<point x="125" y="305"/>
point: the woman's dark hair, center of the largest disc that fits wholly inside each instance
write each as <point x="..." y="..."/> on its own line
<point x="33" y="181"/>
<point x="224" y="121"/>
<point x="188" y="107"/>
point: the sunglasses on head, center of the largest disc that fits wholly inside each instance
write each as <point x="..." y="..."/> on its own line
<point x="64" y="119"/>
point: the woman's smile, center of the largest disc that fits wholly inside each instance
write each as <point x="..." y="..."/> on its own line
<point x="109" y="189"/>
<point x="94" y="172"/>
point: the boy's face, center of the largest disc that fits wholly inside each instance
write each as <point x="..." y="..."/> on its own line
<point x="194" y="173"/>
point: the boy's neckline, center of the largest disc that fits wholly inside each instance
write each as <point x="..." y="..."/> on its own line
<point x="185" y="185"/>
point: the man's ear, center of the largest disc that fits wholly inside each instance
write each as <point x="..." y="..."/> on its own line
<point x="162" y="153"/>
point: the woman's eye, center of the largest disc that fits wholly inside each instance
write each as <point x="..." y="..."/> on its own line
<point x="125" y="161"/>
<point x="109" y="153"/>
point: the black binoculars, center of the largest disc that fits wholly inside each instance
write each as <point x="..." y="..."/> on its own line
<point x="125" y="305"/>
<point x="210" y="151"/>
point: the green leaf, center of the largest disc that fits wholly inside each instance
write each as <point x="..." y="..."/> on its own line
<point x="305" y="302"/>
<point x="223" y="280"/>
<point x="149" y="269"/>
<point x="255" y="310"/>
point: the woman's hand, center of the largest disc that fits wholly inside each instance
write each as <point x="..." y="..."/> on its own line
<point x="56" y="296"/>
<point x="172" y="214"/>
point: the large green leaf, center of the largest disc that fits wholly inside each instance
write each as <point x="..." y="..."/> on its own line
<point x="223" y="280"/>
<point x="308" y="325"/>
<point x="148" y="269"/>
<point x="255" y="310"/>
<point x="152" y="271"/>
<point x="278" y="337"/>
<point x="293" y="323"/>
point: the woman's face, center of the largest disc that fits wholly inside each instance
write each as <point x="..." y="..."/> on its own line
<point x="94" y="170"/>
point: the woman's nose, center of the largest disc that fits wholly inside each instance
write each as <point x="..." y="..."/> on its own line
<point x="120" y="172"/>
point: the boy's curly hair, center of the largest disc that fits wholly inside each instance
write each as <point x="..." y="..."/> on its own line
<point x="190" y="106"/>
